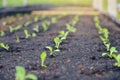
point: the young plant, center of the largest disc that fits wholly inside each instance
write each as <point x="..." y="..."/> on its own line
<point x="17" y="38"/>
<point x="45" y="25"/>
<point x="36" y="19"/>
<point x="54" y="20"/>
<point x="12" y="29"/>
<point x="75" y="20"/>
<point x="117" y="58"/>
<point x="96" y="19"/>
<point x="4" y="46"/>
<point x="27" y="23"/>
<point x="52" y="51"/>
<point x="105" y="33"/>
<point x="70" y="28"/>
<point x="111" y="53"/>
<point x="22" y="75"/>
<point x="97" y="24"/>
<point x="36" y="28"/>
<point x="27" y="35"/>
<point x="33" y="34"/>
<point x="57" y="42"/>
<point x="43" y="56"/>
<point x="63" y="35"/>
<point x="106" y="42"/>
<point x="2" y="33"/>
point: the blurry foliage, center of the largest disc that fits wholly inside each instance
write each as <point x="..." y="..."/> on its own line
<point x="55" y="2"/>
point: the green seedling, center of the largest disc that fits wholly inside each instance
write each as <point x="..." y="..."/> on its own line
<point x="27" y="35"/>
<point x="33" y="35"/>
<point x="12" y="29"/>
<point x="51" y="50"/>
<point x="105" y="33"/>
<point x="43" y="58"/>
<point x="2" y="33"/>
<point x="27" y="23"/>
<point x="36" y="28"/>
<point x="63" y="35"/>
<point x="36" y="19"/>
<point x="45" y="25"/>
<point x="22" y="75"/>
<point x="98" y="27"/>
<point x="54" y="20"/>
<point x="17" y="38"/>
<point x="117" y="58"/>
<point x="96" y="19"/>
<point x="113" y="50"/>
<point x="75" y="20"/>
<point x="111" y="53"/>
<point x="4" y="46"/>
<point x="106" y="42"/>
<point x="57" y="42"/>
<point x="70" y="28"/>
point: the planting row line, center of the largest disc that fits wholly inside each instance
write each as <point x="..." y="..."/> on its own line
<point x="111" y="51"/>
<point x="36" y="29"/>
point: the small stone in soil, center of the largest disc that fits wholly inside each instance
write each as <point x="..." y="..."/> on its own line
<point x="1" y="66"/>
<point x="93" y="57"/>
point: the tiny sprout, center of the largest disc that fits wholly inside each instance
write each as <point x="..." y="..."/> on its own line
<point x="17" y="38"/>
<point x="2" y="33"/>
<point x="27" y="34"/>
<point x="63" y="35"/>
<point x="75" y="19"/>
<point x="36" y="19"/>
<point x="111" y="52"/>
<point x="70" y="28"/>
<point x="43" y="56"/>
<point x="105" y="33"/>
<point x="96" y="19"/>
<point x="117" y="58"/>
<point x="21" y="74"/>
<point x="4" y="46"/>
<point x="51" y="50"/>
<point x="106" y="42"/>
<point x="12" y="29"/>
<point x="33" y="35"/>
<point x="54" y="20"/>
<point x="45" y="25"/>
<point x="27" y="23"/>
<point x="36" y="28"/>
<point x="57" y="42"/>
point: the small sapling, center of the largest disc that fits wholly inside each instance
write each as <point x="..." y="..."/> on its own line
<point x="43" y="56"/>
<point x="22" y="75"/>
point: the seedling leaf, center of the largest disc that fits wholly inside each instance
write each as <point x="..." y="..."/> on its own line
<point x="43" y="58"/>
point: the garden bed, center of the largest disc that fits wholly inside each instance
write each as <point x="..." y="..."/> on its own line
<point x="80" y="56"/>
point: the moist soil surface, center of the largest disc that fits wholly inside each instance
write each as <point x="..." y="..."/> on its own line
<point x="80" y="56"/>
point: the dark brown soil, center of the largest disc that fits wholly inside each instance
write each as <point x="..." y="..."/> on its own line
<point x="79" y="59"/>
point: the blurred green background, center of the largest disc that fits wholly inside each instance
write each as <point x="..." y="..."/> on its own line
<point x="11" y="3"/>
<point x="55" y="2"/>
